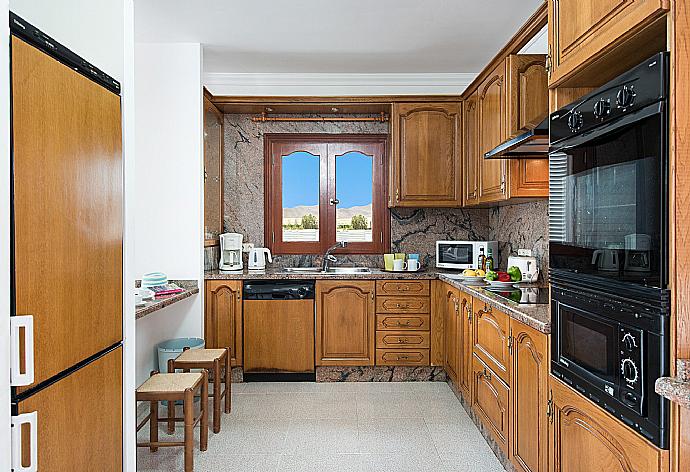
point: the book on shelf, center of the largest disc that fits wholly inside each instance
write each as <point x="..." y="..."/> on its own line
<point x="165" y="290"/>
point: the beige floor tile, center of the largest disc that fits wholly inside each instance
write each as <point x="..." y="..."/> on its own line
<point x="322" y="436"/>
<point x="387" y="435"/>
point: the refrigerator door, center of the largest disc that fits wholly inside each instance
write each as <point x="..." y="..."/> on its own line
<point x="67" y="200"/>
<point x="78" y="418"/>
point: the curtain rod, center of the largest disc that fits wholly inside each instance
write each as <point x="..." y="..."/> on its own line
<point x="382" y="118"/>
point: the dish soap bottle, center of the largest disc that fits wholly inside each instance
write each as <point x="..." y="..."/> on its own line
<point x="490" y="261"/>
<point x="481" y="260"/>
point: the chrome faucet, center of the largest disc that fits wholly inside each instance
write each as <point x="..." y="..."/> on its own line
<point x="328" y="257"/>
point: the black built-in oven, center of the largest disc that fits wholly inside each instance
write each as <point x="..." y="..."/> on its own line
<point x="608" y="246"/>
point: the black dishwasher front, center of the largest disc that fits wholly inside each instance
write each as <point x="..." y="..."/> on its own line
<point x="278" y="330"/>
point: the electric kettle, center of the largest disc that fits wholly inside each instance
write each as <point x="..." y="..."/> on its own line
<point x="606" y="259"/>
<point x="257" y="261"/>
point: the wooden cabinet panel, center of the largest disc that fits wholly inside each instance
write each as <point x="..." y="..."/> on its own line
<point x="584" y="438"/>
<point x="403" y="322"/>
<point x="426" y="167"/>
<point x="67" y="177"/>
<point x="491" y="401"/>
<point x="403" y="287"/>
<point x="345" y="322"/>
<point x="403" y="304"/>
<point x="80" y="418"/>
<point x="581" y="31"/>
<point x="223" y="317"/>
<point x="491" y="332"/>
<point x="529" y="178"/>
<point x="529" y="384"/>
<point x="402" y="357"/>
<point x="265" y="347"/>
<point x="403" y="339"/>
<point x="464" y="370"/>
<point x="452" y="317"/>
<point x="527" y="92"/>
<point x="491" y="114"/>
<point x="471" y="150"/>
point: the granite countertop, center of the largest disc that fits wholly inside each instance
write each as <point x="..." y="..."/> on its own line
<point x="190" y="287"/>
<point x="535" y="316"/>
<point x="676" y="389"/>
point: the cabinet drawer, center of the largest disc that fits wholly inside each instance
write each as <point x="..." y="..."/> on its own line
<point x="491" y="331"/>
<point x="490" y="402"/>
<point x="403" y="304"/>
<point x="402" y="322"/>
<point x="402" y="357"/>
<point x="402" y="339"/>
<point x="403" y="287"/>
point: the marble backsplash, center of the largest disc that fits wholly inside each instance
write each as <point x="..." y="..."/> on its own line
<point x="412" y="230"/>
<point x="522" y="226"/>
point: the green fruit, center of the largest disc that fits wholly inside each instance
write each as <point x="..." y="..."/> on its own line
<point x="491" y="275"/>
<point x="515" y="274"/>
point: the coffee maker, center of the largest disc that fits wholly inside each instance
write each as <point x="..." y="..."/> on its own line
<point x="637" y="252"/>
<point x="230" y="251"/>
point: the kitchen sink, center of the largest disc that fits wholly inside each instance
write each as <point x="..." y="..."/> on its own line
<point x="330" y="270"/>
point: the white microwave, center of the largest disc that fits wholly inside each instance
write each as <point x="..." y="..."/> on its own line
<point x="463" y="254"/>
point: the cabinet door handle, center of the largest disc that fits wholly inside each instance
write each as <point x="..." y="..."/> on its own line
<point x="17" y="422"/>
<point x="406" y="323"/>
<point x="18" y="324"/>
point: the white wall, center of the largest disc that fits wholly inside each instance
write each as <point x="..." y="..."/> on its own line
<point x="4" y="236"/>
<point x="91" y="28"/>
<point x="539" y="44"/>
<point x="169" y="212"/>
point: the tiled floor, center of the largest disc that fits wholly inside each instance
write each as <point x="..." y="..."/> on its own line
<point x="368" y="427"/>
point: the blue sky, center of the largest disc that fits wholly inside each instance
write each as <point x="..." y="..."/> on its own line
<point x="301" y="179"/>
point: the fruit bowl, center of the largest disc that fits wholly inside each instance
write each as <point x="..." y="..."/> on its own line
<point x="472" y="279"/>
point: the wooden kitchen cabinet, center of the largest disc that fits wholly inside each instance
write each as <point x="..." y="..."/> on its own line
<point x="223" y="317"/>
<point x="585" y="438"/>
<point x="425" y="164"/>
<point x="403" y="304"/>
<point x="345" y="323"/>
<point x="470" y="158"/>
<point x="529" y="384"/>
<point x="491" y="112"/>
<point x="491" y="332"/>
<point x="582" y="31"/>
<point x="491" y="401"/>
<point x="512" y="99"/>
<point x="403" y="287"/>
<point x="450" y="330"/>
<point x="464" y="370"/>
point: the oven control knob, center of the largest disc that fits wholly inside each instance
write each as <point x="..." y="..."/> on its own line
<point x="602" y="108"/>
<point x="629" y="370"/>
<point x="629" y="341"/>
<point x="575" y="121"/>
<point x="626" y="96"/>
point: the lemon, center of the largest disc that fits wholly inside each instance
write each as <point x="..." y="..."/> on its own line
<point x="469" y="272"/>
<point x="480" y="273"/>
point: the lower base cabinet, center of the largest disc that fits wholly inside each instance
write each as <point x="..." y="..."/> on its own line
<point x="491" y="402"/>
<point x="584" y="438"/>
<point x="223" y="317"/>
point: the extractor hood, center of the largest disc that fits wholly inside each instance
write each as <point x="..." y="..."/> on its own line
<point x="533" y="144"/>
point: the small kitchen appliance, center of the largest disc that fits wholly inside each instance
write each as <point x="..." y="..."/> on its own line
<point x="257" y="261"/>
<point x="462" y="254"/>
<point x="527" y="265"/>
<point x="637" y="252"/>
<point x="230" y="251"/>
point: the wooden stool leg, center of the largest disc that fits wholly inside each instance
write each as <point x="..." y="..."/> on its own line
<point x="189" y="430"/>
<point x="203" y="434"/>
<point x="153" y="425"/>
<point x="228" y="376"/>
<point x="216" y="396"/>
<point x="171" y="403"/>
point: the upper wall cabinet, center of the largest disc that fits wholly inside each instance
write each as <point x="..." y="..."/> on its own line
<point x="581" y="31"/>
<point x="512" y="99"/>
<point x="425" y="158"/>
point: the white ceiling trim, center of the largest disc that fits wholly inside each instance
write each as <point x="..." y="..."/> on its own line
<point x="325" y="84"/>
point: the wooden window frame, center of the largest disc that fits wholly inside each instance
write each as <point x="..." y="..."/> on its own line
<point x="276" y="145"/>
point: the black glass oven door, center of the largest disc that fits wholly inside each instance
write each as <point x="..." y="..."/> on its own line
<point x="588" y="344"/>
<point x="607" y="204"/>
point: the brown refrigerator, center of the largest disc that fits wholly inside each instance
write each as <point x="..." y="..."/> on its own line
<point x="66" y="258"/>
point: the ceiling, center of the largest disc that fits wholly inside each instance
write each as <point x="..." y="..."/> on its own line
<point x="344" y="36"/>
